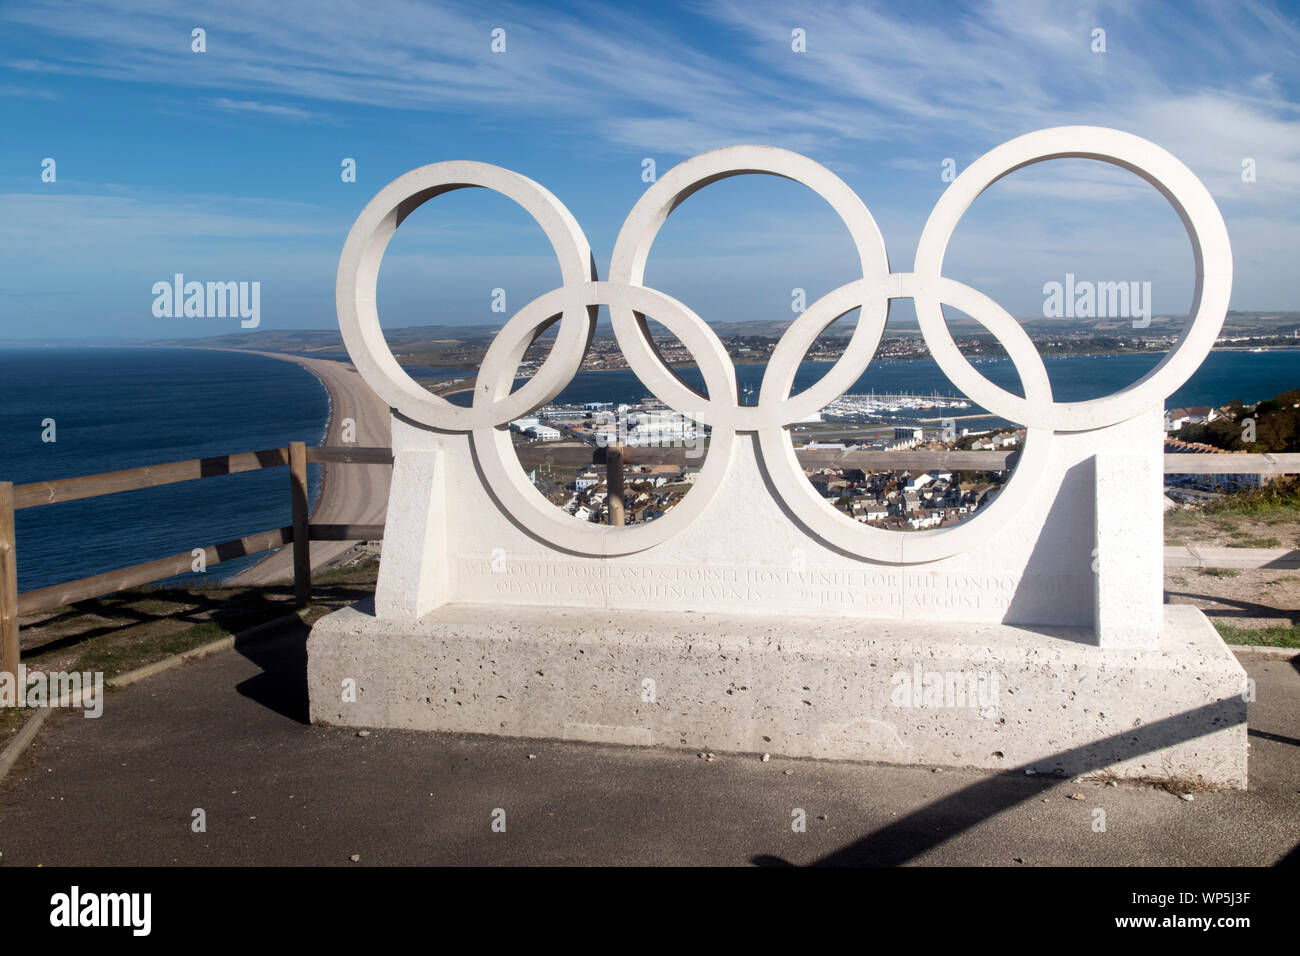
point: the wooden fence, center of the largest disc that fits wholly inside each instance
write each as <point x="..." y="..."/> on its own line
<point x="301" y="532"/>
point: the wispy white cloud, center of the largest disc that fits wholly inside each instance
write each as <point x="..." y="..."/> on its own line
<point x="634" y="83"/>
<point x="26" y="92"/>
<point x="1223" y="78"/>
<point x="279" y="111"/>
<point x="1191" y="83"/>
<point x="870" y="73"/>
<point x="890" y="89"/>
<point x="46" y="227"/>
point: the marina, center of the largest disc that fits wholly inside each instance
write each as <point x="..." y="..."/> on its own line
<point x="852" y="407"/>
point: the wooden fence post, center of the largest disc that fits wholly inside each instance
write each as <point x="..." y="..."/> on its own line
<point x="614" y="484"/>
<point x="8" y="583"/>
<point x="301" y="528"/>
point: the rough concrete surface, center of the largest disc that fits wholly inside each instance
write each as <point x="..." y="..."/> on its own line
<point x="229" y="735"/>
<point x="934" y="694"/>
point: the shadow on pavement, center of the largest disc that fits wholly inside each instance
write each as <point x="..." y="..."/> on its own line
<point x="1235" y="608"/>
<point x="282" y="685"/>
<point x="944" y="819"/>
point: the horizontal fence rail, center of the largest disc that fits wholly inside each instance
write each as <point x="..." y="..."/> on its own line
<point x="1175" y="463"/>
<point x="1199" y="556"/>
<point x="346" y="532"/>
<point x="150" y="476"/>
<point x="97" y="585"/>
<point x="1231" y="463"/>
<point x="39" y="493"/>
<point x="297" y="455"/>
<point x="345" y="455"/>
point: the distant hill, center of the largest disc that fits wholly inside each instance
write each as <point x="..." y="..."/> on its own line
<point x="325" y="340"/>
<point x="69" y="342"/>
<point x="1235" y="323"/>
<point x="438" y="337"/>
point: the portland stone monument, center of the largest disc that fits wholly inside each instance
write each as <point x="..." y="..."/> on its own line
<point x="754" y="616"/>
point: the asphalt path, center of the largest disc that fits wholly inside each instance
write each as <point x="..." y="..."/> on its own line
<point x="229" y="735"/>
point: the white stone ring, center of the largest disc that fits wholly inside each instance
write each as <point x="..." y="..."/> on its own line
<point x="575" y="303"/>
<point x="1178" y="184"/>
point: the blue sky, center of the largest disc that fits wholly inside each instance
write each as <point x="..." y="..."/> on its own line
<point x="225" y="165"/>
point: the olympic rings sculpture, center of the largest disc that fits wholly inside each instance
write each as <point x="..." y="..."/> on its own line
<point x="574" y="306"/>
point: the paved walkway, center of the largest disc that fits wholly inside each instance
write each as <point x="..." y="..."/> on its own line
<point x="228" y="735"/>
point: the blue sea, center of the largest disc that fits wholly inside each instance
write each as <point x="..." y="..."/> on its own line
<point x="123" y="408"/>
<point x="1222" y="377"/>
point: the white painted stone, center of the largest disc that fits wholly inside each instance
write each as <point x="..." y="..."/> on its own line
<point x="1130" y="529"/>
<point x="745" y="555"/>
<point x="413" y="575"/>
<point x="479" y="569"/>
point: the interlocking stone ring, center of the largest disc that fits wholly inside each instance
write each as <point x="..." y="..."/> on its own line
<point x="574" y="306"/>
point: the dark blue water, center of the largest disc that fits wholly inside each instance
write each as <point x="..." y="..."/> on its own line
<point x="123" y="408"/>
<point x="1223" y="376"/>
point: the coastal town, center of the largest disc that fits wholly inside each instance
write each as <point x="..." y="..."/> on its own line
<point x="464" y="348"/>
<point x="902" y="498"/>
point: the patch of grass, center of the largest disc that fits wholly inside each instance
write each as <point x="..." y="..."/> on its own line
<point x="365" y="571"/>
<point x="1280" y="498"/>
<point x="117" y="659"/>
<point x="1255" y="543"/>
<point x="1177" y="785"/>
<point x="1103" y="776"/>
<point x="1182" y="517"/>
<point x="1220" y="572"/>
<point x="1274" y="504"/>
<point x="1278" y="636"/>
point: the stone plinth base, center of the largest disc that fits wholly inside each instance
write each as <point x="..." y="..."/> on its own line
<point x="957" y="695"/>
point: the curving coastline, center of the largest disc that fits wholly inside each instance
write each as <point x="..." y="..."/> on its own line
<point x="349" y="494"/>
